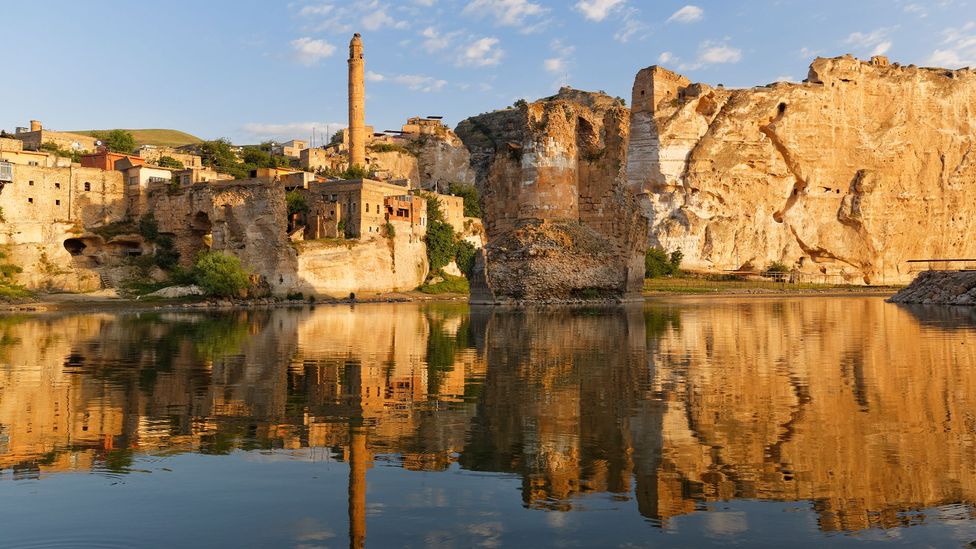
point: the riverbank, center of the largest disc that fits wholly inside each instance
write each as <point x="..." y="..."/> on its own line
<point x="703" y="286"/>
<point x="657" y="288"/>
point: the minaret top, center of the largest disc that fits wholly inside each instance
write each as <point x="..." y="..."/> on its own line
<point x="356" y="47"/>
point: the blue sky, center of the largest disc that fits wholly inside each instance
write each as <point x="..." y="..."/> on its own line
<point x="257" y="69"/>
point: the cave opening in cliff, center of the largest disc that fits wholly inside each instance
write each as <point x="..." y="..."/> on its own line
<point x="74" y="246"/>
<point x="781" y="109"/>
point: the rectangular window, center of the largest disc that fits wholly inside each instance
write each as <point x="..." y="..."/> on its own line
<point x="57" y="202"/>
<point x="30" y="200"/>
<point x="30" y="183"/>
<point x="57" y="185"/>
<point x="87" y="186"/>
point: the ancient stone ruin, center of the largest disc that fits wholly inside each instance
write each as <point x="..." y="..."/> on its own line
<point x="562" y="223"/>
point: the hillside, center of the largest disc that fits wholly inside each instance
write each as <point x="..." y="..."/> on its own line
<point x="160" y="137"/>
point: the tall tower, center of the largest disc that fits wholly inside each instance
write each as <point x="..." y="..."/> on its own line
<point x="357" y="104"/>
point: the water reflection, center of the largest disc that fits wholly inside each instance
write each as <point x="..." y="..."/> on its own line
<point x="861" y="410"/>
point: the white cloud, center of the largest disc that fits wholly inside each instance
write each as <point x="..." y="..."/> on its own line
<point x="374" y="77"/>
<point x="291" y="129"/>
<point x="427" y="3"/>
<point x="309" y="51"/>
<point x="665" y="57"/>
<point x="482" y="52"/>
<point x="598" y="10"/>
<point x="687" y="14"/>
<point x="785" y="78"/>
<point x="807" y="53"/>
<point x="875" y="41"/>
<point x="316" y="9"/>
<point x="560" y="63"/>
<point x="881" y="48"/>
<point x="712" y="53"/>
<point x="378" y="19"/>
<point x="510" y="13"/>
<point x="330" y="16"/>
<point x="434" y="40"/>
<point x="721" y="54"/>
<point x="419" y="82"/>
<point x="632" y="26"/>
<point x="917" y="9"/>
<point x="959" y="48"/>
<point x="554" y="64"/>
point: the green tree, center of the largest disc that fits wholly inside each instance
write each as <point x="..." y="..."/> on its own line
<point x="297" y="204"/>
<point x="337" y="137"/>
<point x="220" y="274"/>
<point x="170" y="162"/>
<point x="464" y="257"/>
<point x="472" y="205"/>
<point x="658" y="262"/>
<point x="119" y="141"/>
<point x="441" y="244"/>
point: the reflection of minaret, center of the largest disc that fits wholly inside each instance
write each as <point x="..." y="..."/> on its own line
<point x="357" y="485"/>
<point x="357" y="104"/>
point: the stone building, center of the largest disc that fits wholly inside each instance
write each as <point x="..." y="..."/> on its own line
<point x="356" y="205"/>
<point x="152" y="154"/>
<point x="12" y="150"/>
<point x="189" y="176"/>
<point x="291" y="149"/>
<point x="37" y="135"/>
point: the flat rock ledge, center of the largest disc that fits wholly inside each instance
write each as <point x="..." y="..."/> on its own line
<point x="940" y="288"/>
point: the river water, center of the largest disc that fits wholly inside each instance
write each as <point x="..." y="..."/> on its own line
<point x="689" y="422"/>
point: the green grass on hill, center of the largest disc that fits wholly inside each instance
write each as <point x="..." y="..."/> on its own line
<point x="158" y="137"/>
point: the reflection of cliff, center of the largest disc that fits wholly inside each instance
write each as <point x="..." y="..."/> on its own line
<point x="554" y="403"/>
<point x="842" y="402"/>
<point x="862" y="408"/>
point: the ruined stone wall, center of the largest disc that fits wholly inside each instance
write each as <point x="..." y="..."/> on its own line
<point x="849" y="174"/>
<point x="246" y="218"/>
<point x="560" y="222"/>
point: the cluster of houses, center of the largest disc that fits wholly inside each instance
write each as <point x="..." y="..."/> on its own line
<point x="336" y="208"/>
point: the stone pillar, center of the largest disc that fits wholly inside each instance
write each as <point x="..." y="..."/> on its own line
<point x="357" y="104"/>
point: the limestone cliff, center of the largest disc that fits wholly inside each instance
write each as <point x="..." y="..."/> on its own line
<point x="850" y="173"/>
<point x="560" y="220"/>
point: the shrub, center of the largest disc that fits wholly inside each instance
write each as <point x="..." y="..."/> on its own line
<point x="166" y="255"/>
<point x="776" y="270"/>
<point x="441" y="245"/>
<point x="449" y="285"/>
<point x="472" y="206"/>
<point x="464" y="257"/>
<point x="170" y="162"/>
<point x="297" y="203"/>
<point x="149" y="227"/>
<point x="657" y="263"/>
<point x="390" y="230"/>
<point x="220" y="274"/>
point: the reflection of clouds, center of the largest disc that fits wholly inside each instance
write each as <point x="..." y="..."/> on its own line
<point x="489" y="532"/>
<point x="309" y="530"/>
<point x="427" y="497"/>
<point x="557" y="519"/>
<point x="725" y="523"/>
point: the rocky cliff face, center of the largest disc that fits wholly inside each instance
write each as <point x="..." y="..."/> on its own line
<point x="560" y="219"/>
<point x="854" y="171"/>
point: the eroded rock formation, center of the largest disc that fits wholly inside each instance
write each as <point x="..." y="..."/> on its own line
<point x="560" y="219"/>
<point x="854" y="171"/>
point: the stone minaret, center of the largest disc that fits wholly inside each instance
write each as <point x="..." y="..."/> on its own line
<point x="356" y="138"/>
